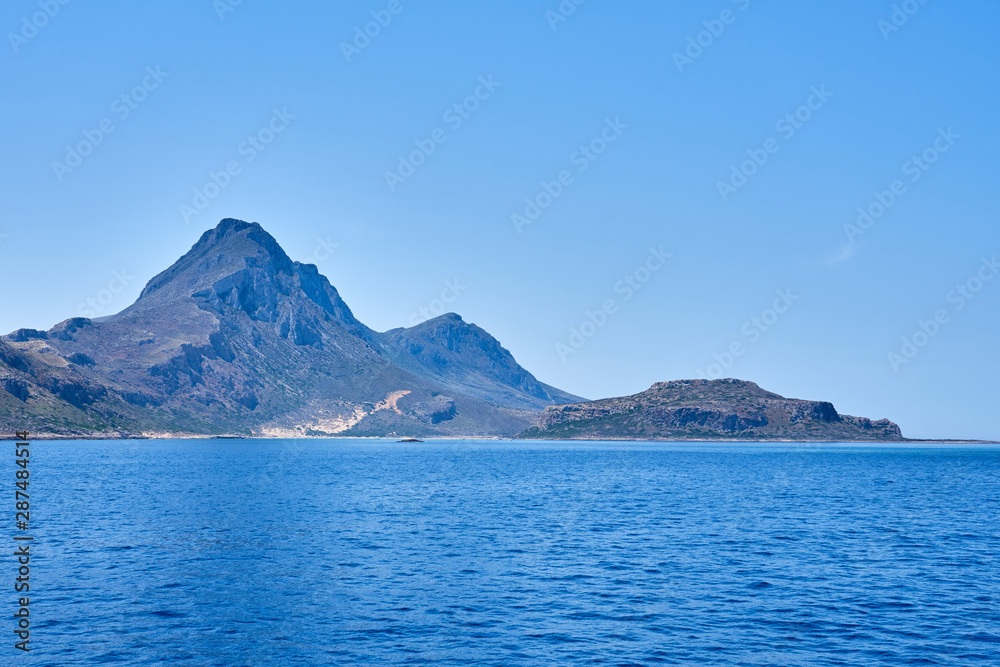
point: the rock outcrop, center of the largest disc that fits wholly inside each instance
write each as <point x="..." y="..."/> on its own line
<point x="707" y="410"/>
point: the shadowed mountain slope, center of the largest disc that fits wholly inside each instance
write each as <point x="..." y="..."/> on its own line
<point x="463" y="356"/>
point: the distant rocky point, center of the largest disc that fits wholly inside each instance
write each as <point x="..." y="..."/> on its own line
<point x="707" y="410"/>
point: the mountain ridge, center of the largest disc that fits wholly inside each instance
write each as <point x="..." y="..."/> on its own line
<point x="235" y="337"/>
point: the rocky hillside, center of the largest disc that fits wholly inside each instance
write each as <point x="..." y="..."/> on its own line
<point x="466" y="358"/>
<point x="707" y="410"/>
<point x="236" y="338"/>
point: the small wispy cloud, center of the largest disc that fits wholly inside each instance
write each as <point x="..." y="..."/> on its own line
<point x="846" y="252"/>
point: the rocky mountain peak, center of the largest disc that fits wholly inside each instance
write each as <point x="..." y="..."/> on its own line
<point x="459" y="353"/>
<point x="232" y="246"/>
<point x="235" y="336"/>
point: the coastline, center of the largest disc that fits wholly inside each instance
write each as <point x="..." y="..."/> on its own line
<point x="488" y="438"/>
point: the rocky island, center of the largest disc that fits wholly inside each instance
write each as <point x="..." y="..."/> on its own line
<point x="707" y="410"/>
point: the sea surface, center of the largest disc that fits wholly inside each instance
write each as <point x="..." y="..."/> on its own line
<point x="354" y="552"/>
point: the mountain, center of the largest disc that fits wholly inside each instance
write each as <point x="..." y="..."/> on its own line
<point x="466" y="358"/>
<point x="236" y="338"/>
<point x="707" y="410"/>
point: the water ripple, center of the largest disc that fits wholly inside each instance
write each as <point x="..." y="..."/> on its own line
<point x="481" y="553"/>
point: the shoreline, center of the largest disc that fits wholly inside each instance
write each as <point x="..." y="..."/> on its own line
<point x="394" y="438"/>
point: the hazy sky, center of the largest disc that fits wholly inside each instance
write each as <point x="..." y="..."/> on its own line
<point x="693" y="165"/>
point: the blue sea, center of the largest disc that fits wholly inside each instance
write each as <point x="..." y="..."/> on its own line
<point x="367" y="552"/>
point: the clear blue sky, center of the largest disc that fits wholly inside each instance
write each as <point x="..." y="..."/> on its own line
<point x="678" y="128"/>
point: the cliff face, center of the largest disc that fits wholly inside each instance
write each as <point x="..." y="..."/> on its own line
<point x="235" y="337"/>
<point x="707" y="410"/>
